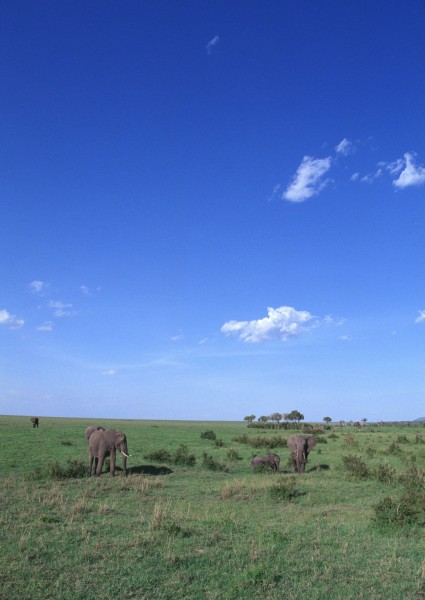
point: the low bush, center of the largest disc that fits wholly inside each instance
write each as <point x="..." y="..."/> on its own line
<point x="208" y="435"/>
<point x="183" y="458"/>
<point x="233" y="455"/>
<point x="219" y="443"/>
<point x="402" y="439"/>
<point x="212" y="464"/>
<point x="284" y="490"/>
<point x="394" y="448"/>
<point x="355" y="467"/>
<point x="385" y="474"/>
<point x="74" y="469"/>
<point x="408" y="509"/>
<point x="160" y="455"/>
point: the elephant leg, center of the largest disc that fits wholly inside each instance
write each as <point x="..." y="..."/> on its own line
<point x="112" y="462"/>
<point x="294" y="462"/>
<point x="99" y="467"/>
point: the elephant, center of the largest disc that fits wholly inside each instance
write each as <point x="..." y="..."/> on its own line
<point x="272" y="460"/>
<point x="34" y="421"/>
<point x="300" y="447"/>
<point x="89" y="430"/>
<point x="103" y="443"/>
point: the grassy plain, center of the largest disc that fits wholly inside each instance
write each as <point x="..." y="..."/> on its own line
<point x="170" y="531"/>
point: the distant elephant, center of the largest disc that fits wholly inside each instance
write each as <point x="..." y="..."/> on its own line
<point x="34" y="421"/>
<point x="272" y="460"/>
<point x="103" y="443"/>
<point x="89" y="430"/>
<point x="300" y="447"/>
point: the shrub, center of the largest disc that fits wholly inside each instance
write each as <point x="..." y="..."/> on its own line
<point x="394" y="448"/>
<point x="333" y="436"/>
<point x="351" y="441"/>
<point x="67" y="443"/>
<point x="402" y="439"/>
<point x="219" y="443"/>
<point x="409" y="509"/>
<point x="284" y="490"/>
<point x="74" y="468"/>
<point x="321" y="440"/>
<point x="182" y="456"/>
<point x="208" y="435"/>
<point x="160" y="455"/>
<point x="385" y="474"/>
<point x="355" y="467"/>
<point x="418" y="438"/>
<point x="241" y="439"/>
<point x="212" y="464"/>
<point x="233" y="455"/>
<point x="413" y="479"/>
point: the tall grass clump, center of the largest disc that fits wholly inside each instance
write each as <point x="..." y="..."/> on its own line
<point x="212" y="464"/>
<point x="284" y="490"/>
<point x="355" y="467"/>
<point x="208" y="435"/>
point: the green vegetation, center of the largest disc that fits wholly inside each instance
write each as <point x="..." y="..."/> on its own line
<point x="192" y="521"/>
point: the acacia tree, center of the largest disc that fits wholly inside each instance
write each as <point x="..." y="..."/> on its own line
<point x="249" y="418"/>
<point x="295" y="415"/>
<point x="276" y="417"/>
<point x="327" y="420"/>
<point x="263" y="419"/>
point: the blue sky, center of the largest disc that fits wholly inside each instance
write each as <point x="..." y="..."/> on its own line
<point x="212" y="209"/>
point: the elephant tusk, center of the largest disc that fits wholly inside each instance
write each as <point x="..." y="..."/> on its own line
<point x="126" y="455"/>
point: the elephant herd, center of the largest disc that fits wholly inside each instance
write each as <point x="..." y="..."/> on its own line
<point x="105" y="442"/>
<point x="300" y="447"/>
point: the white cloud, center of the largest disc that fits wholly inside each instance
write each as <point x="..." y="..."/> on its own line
<point x="37" y="286"/>
<point x="411" y="174"/>
<point x="110" y="372"/>
<point x="46" y="326"/>
<point x="85" y="290"/>
<point x="308" y="179"/>
<point x="421" y="318"/>
<point x="344" y="147"/>
<point x="61" y="309"/>
<point x="281" y="323"/>
<point x="215" y="41"/>
<point x="10" y="320"/>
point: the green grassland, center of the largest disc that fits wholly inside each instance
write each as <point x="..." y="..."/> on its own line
<point x="213" y="530"/>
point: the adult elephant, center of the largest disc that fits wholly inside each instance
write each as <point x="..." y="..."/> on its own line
<point x="300" y="447"/>
<point x="271" y="460"/>
<point x="92" y="428"/>
<point x="34" y="421"/>
<point x="104" y="443"/>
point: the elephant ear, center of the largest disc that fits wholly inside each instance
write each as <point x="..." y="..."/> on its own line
<point x="119" y="438"/>
<point x="311" y="442"/>
<point x="291" y="443"/>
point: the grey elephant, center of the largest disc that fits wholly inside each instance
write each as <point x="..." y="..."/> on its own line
<point x="34" y="421"/>
<point x="271" y="460"/>
<point x="104" y="443"/>
<point x="300" y="447"/>
<point x="89" y="430"/>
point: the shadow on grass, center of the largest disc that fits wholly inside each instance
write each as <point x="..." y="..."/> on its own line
<point x="319" y="468"/>
<point x="150" y="470"/>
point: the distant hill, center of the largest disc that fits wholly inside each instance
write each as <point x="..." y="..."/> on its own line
<point x="420" y="419"/>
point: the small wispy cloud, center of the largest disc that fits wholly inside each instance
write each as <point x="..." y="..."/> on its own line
<point x="421" y="317"/>
<point x="37" y="286"/>
<point x="46" y="326"/>
<point x="212" y="44"/>
<point x="61" y="309"/>
<point x="308" y="180"/>
<point x="110" y="372"/>
<point x="345" y="147"/>
<point x="9" y="320"/>
<point x="280" y="323"/>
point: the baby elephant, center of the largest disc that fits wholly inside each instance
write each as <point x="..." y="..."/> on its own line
<point x="34" y="421"/>
<point x="272" y="460"/>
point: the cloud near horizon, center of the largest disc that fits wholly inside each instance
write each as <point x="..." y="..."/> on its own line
<point x="281" y="323"/>
<point x="308" y="180"/>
